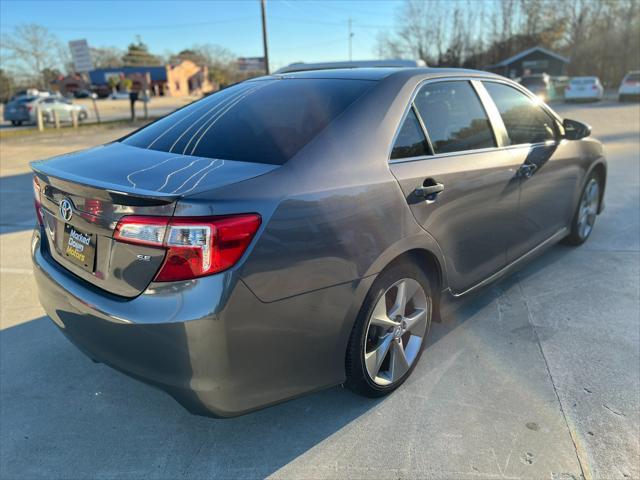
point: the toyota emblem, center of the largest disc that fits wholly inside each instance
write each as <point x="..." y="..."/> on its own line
<point x="66" y="209"/>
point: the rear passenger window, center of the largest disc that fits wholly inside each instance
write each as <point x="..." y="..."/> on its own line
<point x="525" y="121"/>
<point x="454" y="117"/>
<point x="411" y="141"/>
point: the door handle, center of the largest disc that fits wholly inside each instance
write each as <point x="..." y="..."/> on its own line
<point x="429" y="192"/>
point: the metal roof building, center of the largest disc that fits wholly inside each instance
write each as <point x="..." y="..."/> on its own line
<point x="531" y="61"/>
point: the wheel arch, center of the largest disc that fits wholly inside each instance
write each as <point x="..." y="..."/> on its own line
<point x="424" y="251"/>
<point x="599" y="169"/>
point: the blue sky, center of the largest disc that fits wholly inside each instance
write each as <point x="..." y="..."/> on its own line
<point x="309" y="30"/>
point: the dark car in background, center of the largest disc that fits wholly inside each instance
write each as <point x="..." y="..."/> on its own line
<point x="538" y="84"/>
<point x="18" y="110"/>
<point x="303" y="230"/>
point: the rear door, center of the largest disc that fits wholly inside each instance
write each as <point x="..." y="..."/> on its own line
<point x="549" y="170"/>
<point x="460" y="186"/>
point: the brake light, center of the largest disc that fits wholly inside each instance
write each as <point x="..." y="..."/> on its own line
<point x="36" y="200"/>
<point x="196" y="246"/>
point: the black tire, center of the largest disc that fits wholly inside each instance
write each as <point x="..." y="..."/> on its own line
<point x="82" y="116"/>
<point x="16" y="123"/>
<point x="576" y="237"/>
<point x="358" y="380"/>
<point x="622" y="98"/>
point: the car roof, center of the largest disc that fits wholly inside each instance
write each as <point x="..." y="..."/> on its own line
<point x="584" y="78"/>
<point x="379" y="73"/>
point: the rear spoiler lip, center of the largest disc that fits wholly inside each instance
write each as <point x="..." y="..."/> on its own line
<point x="111" y="191"/>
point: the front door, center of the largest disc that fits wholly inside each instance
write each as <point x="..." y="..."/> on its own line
<point x="461" y="188"/>
<point x="547" y="174"/>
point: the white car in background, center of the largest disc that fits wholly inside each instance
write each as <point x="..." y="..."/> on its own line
<point x="584" y="88"/>
<point x="60" y="105"/>
<point x="630" y="86"/>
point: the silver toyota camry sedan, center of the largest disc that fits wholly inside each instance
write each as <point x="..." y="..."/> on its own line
<point x="303" y="230"/>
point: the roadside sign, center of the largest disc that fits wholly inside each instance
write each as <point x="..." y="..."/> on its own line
<point x="81" y="55"/>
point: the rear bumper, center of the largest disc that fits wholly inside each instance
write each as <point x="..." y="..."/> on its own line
<point x="210" y="343"/>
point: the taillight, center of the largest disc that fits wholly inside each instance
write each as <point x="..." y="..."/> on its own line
<point x="196" y="246"/>
<point x="36" y="200"/>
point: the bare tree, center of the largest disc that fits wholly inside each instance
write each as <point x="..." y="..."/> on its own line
<point x="30" y="49"/>
<point x="106" y="57"/>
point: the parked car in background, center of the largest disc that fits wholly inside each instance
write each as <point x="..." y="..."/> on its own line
<point x="34" y="92"/>
<point x="17" y="111"/>
<point x="84" y="93"/>
<point x="630" y="86"/>
<point x="538" y="84"/>
<point x="60" y="105"/>
<point x="584" y="89"/>
<point x="299" y="231"/>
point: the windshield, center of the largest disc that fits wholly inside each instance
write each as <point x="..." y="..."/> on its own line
<point x="633" y="77"/>
<point x="266" y="121"/>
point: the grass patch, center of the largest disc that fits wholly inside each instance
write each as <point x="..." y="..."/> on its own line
<point x="69" y="130"/>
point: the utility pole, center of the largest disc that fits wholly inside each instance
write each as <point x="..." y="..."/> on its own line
<point x="264" y="36"/>
<point x="350" y="39"/>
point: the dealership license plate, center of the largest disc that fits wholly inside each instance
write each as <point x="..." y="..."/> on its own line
<point x="79" y="247"/>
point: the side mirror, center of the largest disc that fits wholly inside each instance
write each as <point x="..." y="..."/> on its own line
<point x="574" y="130"/>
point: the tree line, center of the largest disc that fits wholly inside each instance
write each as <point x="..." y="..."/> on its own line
<point x="601" y="37"/>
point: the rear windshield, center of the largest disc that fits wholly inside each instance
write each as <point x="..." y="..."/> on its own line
<point x="265" y="121"/>
<point x="26" y="99"/>
<point x="633" y="77"/>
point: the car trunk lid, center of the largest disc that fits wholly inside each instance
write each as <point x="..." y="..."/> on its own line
<point x="101" y="185"/>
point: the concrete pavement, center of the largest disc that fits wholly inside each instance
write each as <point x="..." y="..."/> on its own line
<point x="536" y="377"/>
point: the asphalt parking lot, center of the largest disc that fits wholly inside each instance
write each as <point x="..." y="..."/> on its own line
<point x="537" y="377"/>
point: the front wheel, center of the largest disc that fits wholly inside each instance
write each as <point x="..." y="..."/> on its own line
<point x="585" y="216"/>
<point x="389" y="334"/>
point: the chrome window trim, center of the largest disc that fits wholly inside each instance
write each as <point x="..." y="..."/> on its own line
<point x="424" y="129"/>
<point x="472" y="152"/>
<point x="495" y="119"/>
<point x="472" y="79"/>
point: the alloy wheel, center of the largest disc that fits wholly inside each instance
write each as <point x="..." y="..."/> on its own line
<point x="588" y="208"/>
<point x="395" y="331"/>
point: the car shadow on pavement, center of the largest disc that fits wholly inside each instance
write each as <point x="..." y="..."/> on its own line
<point x="465" y="308"/>
<point x="63" y="416"/>
<point x="16" y="203"/>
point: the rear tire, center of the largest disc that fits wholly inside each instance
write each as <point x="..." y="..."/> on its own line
<point x="389" y="334"/>
<point x="586" y="213"/>
<point x="16" y="123"/>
